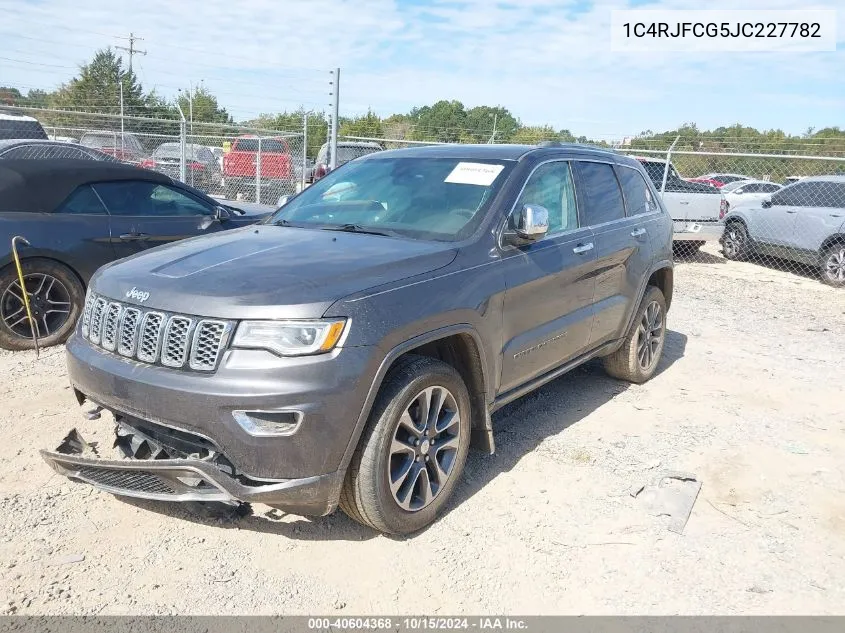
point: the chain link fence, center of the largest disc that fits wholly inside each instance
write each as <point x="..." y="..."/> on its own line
<point x="226" y="161"/>
<point x="782" y="211"/>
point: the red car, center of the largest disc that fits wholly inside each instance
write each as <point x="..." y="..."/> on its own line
<point x="719" y="180"/>
<point x="241" y="170"/>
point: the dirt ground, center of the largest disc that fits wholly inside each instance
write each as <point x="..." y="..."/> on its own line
<point x="748" y="398"/>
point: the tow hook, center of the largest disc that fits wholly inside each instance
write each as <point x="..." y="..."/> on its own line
<point x="94" y="414"/>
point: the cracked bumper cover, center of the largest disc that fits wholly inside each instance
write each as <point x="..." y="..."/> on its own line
<point x="188" y="479"/>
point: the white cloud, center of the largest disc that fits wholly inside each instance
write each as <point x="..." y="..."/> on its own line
<point x="547" y="60"/>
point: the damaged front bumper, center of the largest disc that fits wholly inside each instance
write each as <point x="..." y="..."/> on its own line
<point x="169" y="473"/>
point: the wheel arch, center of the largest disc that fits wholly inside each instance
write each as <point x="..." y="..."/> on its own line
<point x="9" y="262"/>
<point x="836" y="238"/>
<point x="460" y="344"/>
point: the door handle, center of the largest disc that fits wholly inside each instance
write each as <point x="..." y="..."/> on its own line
<point x="582" y="248"/>
<point x="790" y="211"/>
<point x="638" y="232"/>
<point x="133" y="237"/>
<point x="836" y="215"/>
<point x="684" y="202"/>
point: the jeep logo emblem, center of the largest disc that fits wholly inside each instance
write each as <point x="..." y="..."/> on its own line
<point x="139" y="295"/>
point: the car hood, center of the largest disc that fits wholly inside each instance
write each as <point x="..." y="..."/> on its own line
<point x="265" y="272"/>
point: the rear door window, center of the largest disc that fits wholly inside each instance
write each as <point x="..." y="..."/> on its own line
<point x="601" y="194"/>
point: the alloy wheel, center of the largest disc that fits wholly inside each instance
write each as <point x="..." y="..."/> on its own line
<point x="49" y="301"/>
<point x="734" y="241"/>
<point x="424" y="448"/>
<point x="834" y="266"/>
<point x="650" y="335"/>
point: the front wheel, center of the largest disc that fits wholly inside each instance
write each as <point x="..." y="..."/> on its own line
<point x="413" y="450"/>
<point x="637" y="359"/>
<point x="833" y="265"/>
<point x="55" y="300"/>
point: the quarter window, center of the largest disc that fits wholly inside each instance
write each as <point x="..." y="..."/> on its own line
<point x="637" y="194"/>
<point x="83" y="201"/>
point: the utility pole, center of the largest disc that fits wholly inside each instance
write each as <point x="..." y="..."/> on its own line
<point x="131" y="48"/>
<point x="335" y="112"/>
<point x="495" y="119"/>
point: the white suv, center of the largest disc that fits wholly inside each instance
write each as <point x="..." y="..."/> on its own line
<point x="803" y="222"/>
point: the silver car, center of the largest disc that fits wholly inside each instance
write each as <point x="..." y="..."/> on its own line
<point x="803" y="222"/>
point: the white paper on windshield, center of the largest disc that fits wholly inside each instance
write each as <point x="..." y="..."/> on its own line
<point x="480" y="174"/>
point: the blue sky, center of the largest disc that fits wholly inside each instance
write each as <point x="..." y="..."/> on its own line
<point x="548" y="61"/>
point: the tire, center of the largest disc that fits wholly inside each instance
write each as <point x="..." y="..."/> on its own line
<point x="686" y="248"/>
<point x="627" y="363"/>
<point x="367" y="495"/>
<point x="735" y="241"/>
<point x="832" y="267"/>
<point x="65" y="292"/>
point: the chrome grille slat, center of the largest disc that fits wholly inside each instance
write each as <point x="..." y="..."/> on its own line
<point x="210" y="338"/>
<point x="149" y="342"/>
<point x="86" y="313"/>
<point x="95" y="326"/>
<point x="177" y="341"/>
<point x="128" y="331"/>
<point x="174" y="349"/>
<point x="108" y="334"/>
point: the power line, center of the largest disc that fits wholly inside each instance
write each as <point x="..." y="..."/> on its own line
<point x="131" y="48"/>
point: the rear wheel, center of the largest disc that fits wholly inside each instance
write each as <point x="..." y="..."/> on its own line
<point x="637" y="359"/>
<point x="56" y="298"/>
<point x="413" y="450"/>
<point x="833" y="265"/>
<point x="735" y="241"/>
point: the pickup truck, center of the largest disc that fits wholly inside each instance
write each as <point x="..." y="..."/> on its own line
<point x="241" y="166"/>
<point x="697" y="209"/>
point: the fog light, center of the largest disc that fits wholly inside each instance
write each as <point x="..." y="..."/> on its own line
<point x="263" y="423"/>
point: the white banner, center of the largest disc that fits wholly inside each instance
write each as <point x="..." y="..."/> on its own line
<point x="723" y="31"/>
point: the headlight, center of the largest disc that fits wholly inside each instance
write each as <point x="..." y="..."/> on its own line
<point x="290" y="338"/>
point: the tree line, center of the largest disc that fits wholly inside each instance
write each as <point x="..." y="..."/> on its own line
<point x="96" y="89"/>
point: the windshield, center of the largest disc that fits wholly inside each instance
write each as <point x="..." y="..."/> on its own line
<point x="345" y="153"/>
<point x="174" y="150"/>
<point x="267" y="145"/>
<point x="441" y="199"/>
<point x="734" y="185"/>
<point x="655" y="171"/>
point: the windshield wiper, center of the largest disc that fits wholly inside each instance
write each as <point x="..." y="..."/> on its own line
<point x="357" y="228"/>
<point x="283" y="222"/>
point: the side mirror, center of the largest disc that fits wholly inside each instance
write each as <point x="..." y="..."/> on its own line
<point x="282" y="201"/>
<point x="531" y="223"/>
<point x="740" y="190"/>
<point x="766" y="204"/>
<point x="221" y="214"/>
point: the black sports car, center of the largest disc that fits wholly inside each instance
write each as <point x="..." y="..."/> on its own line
<point x="78" y="215"/>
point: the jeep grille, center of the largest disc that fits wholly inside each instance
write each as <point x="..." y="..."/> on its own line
<point x="172" y="340"/>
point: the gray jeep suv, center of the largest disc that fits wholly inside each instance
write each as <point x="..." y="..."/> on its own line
<point x="350" y="349"/>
